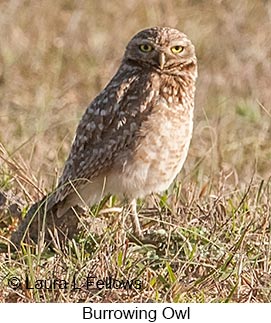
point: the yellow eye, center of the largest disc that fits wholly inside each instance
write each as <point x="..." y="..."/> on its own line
<point x="176" y="49"/>
<point x="145" y="48"/>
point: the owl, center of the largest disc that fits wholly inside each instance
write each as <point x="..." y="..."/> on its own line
<point x="133" y="138"/>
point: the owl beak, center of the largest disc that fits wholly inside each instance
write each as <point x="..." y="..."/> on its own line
<point x="162" y="60"/>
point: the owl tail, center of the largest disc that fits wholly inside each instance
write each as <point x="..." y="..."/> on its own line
<point x="42" y="224"/>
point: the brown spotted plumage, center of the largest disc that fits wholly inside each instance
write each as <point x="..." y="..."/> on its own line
<point x="134" y="137"/>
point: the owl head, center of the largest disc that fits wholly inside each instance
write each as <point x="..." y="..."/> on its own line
<point x="164" y="49"/>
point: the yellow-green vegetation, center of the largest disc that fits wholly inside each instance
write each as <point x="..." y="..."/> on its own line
<point x="214" y="222"/>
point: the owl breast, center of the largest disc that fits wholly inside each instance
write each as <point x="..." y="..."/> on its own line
<point x="153" y="126"/>
<point x="161" y="147"/>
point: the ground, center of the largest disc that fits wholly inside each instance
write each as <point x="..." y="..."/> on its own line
<point x="213" y="224"/>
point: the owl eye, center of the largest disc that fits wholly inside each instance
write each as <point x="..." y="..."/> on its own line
<point x="176" y="49"/>
<point x="145" y="48"/>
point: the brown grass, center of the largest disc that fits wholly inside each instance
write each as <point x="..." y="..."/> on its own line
<point x="55" y="56"/>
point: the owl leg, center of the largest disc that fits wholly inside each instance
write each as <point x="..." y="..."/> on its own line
<point x="135" y="220"/>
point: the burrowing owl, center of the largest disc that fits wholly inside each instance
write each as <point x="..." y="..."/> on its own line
<point x="134" y="137"/>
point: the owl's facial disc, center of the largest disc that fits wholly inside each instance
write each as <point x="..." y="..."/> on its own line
<point x="164" y="49"/>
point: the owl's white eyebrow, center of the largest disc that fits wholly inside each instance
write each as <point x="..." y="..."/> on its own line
<point x="181" y="43"/>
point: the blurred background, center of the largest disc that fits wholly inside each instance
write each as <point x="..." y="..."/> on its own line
<point x="55" y="56"/>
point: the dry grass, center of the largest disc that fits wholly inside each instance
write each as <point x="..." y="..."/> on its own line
<point x="55" y="56"/>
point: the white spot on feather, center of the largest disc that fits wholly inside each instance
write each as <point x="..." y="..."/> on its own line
<point x="103" y="112"/>
<point x="121" y="122"/>
<point x="91" y="126"/>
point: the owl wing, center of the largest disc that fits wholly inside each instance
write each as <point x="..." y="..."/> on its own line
<point x="108" y="126"/>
